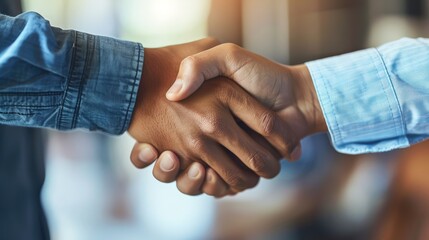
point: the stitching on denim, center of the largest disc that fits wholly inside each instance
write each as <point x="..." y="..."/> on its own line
<point x="72" y="67"/>
<point x="30" y="107"/>
<point x="134" y="86"/>
<point x="17" y="113"/>
<point x="88" y="58"/>
<point x="36" y="94"/>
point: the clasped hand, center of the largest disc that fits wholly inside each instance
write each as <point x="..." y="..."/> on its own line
<point x="219" y="140"/>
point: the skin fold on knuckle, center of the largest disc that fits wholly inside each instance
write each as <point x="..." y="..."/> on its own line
<point x="191" y="64"/>
<point x="257" y="164"/>
<point x="266" y="162"/>
<point x="234" y="179"/>
<point x="212" y="126"/>
<point x="226" y="91"/>
<point x="197" y="150"/>
<point x="240" y="181"/>
<point x="232" y="52"/>
<point x="196" y="143"/>
<point x="267" y="123"/>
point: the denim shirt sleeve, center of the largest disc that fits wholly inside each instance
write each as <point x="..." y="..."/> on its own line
<point x="377" y="99"/>
<point x="65" y="79"/>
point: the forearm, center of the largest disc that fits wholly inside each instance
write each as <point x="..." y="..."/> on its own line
<point x="65" y="79"/>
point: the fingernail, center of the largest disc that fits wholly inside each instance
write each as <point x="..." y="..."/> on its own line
<point x="194" y="172"/>
<point x="146" y="155"/>
<point x="167" y="164"/>
<point x="175" y="88"/>
<point x="296" y="153"/>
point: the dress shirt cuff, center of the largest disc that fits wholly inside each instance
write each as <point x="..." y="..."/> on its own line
<point x="102" y="85"/>
<point x="359" y="102"/>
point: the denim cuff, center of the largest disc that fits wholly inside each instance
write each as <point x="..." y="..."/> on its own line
<point x="102" y="85"/>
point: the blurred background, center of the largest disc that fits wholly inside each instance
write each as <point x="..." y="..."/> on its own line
<point x="93" y="192"/>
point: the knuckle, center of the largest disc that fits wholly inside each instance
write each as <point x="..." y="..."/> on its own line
<point x="241" y="182"/>
<point x="228" y="92"/>
<point x="231" y="48"/>
<point x="267" y="122"/>
<point x="212" y="126"/>
<point x="236" y="181"/>
<point x="264" y="164"/>
<point x="196" y="143"/>
<point x="190" y="62"/>
<point x="233" y="52"/>
<point x="257" y="163"/>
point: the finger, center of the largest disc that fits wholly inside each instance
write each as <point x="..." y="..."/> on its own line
<point x="143" y="155"/>
<point x="227" y="168"/>
<point x="167" y="167"/>
<point x="295" y="155"/>
<point x="197" y="68"/>
<point x="260" y="140"/>
<point x="214" y="185"/>
<point x="252" y="154"/>
<point x="191" y="181"/>
<point x="263" y="121"/>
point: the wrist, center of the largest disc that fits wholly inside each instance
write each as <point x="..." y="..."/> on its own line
<point x="307" y="100"/>
<point x="153" y="85"/>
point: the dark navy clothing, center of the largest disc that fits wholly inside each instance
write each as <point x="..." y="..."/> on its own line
<point x="21" y="174"/>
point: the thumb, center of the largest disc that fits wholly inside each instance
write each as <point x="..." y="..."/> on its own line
<point x="196" y="69"/>
<point x="190" y="77"/>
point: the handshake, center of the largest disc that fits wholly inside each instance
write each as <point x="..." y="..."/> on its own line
<point x="221" y="116"/>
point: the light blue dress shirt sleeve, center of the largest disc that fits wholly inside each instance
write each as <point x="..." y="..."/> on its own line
<point x="65" y="79"/>
<point x="377" y="99"/>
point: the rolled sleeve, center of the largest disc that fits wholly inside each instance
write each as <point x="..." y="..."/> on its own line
<point x="359" y="102"/>
<point x="64" y="79"/>
<point x="102" y="86"/>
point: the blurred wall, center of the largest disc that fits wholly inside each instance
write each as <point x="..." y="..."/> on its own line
<point x="225" y="21"/>
<point x="321" y="28"/>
